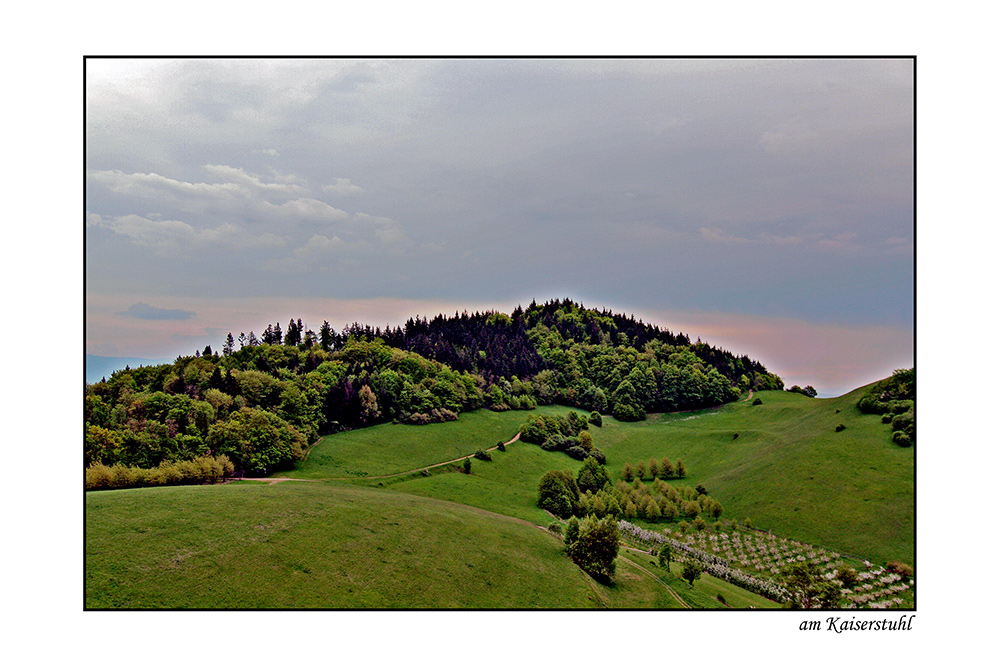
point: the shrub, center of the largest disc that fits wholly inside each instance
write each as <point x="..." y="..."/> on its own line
<point x="900" y="407"/>
<point x="558" y="493"/>
<point x="559" y="443"/>
<point x="572" y="531"/>
<point x="903" y="422"/>
<point x="153" y="477"/>
<point x="902" y="439"/>
<point x="627" y="412"/>
<point x="839" y="428"/>
<point x="847" y="576"/>
<point x="98" y="476"/>
<point x="227" y="466"/>
<point x="757" y="401"/>
<point x="595" y="419"/>
<point x="578" y="453"/>
<point x="467" y="466"/>
<point x="501" y="446"/>
<point x="482" y="456"/>
<point x="900" y="568"/>
<point x="886" y="418"/>
<point x="172" y="474"/>
<point x="555" y="528"/>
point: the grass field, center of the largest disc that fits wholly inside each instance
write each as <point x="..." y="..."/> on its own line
<point x="393" y="448"/>
<point x="451" y="540"/>
<point x="789" y="471"/>
<point x="317" y="545"/>
<point x="704" y="593"/>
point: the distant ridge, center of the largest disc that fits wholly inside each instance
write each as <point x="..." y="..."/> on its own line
<point x="98" y="367"/>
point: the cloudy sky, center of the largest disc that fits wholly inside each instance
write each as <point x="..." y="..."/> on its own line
<point x="763" y="205"/>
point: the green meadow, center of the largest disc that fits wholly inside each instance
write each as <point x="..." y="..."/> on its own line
<point x="388" y="449"/>
<point x="334" y="539"/>
<point x="789" y="471"/>
<point x="312" y="545"/>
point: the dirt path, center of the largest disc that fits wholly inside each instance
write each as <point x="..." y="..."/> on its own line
<point x="270" y="480"/>
<point x="653" y="575"/>
<point x="436" y="465"/>
<point x="275" y="480"/>
<point x="748" y="397"/>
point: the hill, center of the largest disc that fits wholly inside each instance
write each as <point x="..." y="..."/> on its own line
<point x="304" y="385"/>
<point x="321" y="543"/>
<point x="313" y="545"/>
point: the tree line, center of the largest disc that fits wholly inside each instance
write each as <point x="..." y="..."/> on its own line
<point x="265" y="398"/>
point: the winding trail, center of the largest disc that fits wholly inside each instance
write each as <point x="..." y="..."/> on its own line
<point x="653" y="575"/>
<point x="275" y="480"/>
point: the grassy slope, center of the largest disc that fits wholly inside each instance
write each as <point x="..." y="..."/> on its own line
<point x="300" y="544"/>
<point x="508" y="484"/>
<point x="705" y="590"/>
<point x="316" y="545"/>
<point x="393" y="448"/>
<point x="788" y="470"/>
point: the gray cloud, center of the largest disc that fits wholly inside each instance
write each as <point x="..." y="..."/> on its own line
<point x="765" y="187"/>
<point x="144" y="311"/>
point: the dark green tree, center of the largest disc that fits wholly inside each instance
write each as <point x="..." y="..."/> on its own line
<point x="596" y="547"/>
<point x="691" y="571"/>
<point x="255" y="439"/>
<point x="592" y="476"/>
<point x="326" y="336"/>
<point x="808" y="589"/>
<point x="558" y="493"/>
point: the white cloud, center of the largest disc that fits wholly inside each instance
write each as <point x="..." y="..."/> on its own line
<point x="171" y="237"/>
<point x="152" y="185"/>
<point x="236" y="185"/>
<point x="343" y="186"/>
<point x="320" y="243"/>
<point x="306" y="210"/>
<point x="386" y="230"/>
<point x="238" y="175"/>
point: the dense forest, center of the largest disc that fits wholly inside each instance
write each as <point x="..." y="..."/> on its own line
<point x="262" y="400"/>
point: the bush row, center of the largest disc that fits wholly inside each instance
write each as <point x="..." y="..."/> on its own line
<point x="435" y="416"/>
<point x="202" y="470"/>
<point x="662" y="469"/>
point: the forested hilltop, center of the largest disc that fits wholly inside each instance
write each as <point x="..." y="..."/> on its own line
<point x="264" y="399"/>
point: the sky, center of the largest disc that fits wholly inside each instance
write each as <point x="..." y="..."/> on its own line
<point x="763" y="205"/>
